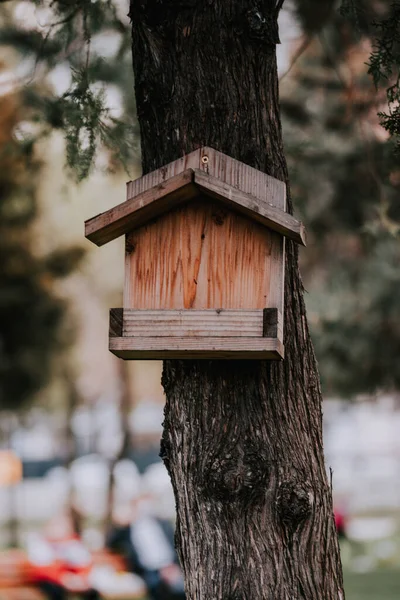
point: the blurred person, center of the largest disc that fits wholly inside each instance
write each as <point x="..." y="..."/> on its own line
<point x="59" y="562"/>
<point x="147" y="542"/>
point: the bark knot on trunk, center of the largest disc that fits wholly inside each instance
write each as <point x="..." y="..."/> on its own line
<point x="262" y="26"/>
<point x="232" y="475"/>
<point x="294" y="503"/>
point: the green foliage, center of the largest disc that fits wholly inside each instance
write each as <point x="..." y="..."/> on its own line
<point x="357" y="330"/>
<point x="384" y="66"/>
<point x="380" y="22"/>
<point x="32" y="318"/>
<point x="33" y="328"/>
<point x="82" y="112"/>
<point x="345" y="182"/>
<point x="354" y="12"/>
<point x="87" y="122"/>
<point x="29" y="42"/>
<point x="386" y="53"/>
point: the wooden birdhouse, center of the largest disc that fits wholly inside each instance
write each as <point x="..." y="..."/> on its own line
<point x="204" y="261"/>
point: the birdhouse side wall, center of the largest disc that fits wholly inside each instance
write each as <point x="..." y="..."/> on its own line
<point x="201" y="256"/>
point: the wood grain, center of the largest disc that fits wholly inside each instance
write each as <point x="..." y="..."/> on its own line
<point x="225" y="168"/>
<point x="158" y="348"/>
<point x="193" y="323"/>
<point x="203" y="256"/>
<point x="272" y="323"/>
<point x="116" y="322"/>
<point x="143" y="207"/>
<point x="251" y="206"/>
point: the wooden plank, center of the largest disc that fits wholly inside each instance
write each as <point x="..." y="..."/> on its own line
<point x="157" y="348"/>
<point x="140" y="185"/>
<point x="193" y="323"/>
<point x="242" y="176"/>
<point x="142" y="208"/>
<point x="263" y="212"/>
<point x="221" y="166"/>
<point x="116" y="322"/>
<point x="270" y="322"/>
<point x="203" y="256"/>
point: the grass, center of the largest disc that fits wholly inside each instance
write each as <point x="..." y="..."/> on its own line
<point x="377" y="585"/>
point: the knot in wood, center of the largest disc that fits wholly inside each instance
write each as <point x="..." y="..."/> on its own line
<point x="219" y="217"/>
<point x="294" y="503"/>
<point x="262" y="26"/>
<point x="235" y="477"/>
<point x="130" y="244"/>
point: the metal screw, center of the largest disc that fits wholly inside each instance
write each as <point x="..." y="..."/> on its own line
<point x="204" y="160"/>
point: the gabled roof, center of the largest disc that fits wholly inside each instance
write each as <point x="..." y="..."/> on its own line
<point x="151" y="202"/>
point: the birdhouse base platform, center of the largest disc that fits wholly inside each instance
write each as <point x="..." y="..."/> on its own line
<point x="198" y="334"/>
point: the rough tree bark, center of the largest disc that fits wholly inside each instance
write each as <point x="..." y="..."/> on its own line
<point x="242" y="440"/>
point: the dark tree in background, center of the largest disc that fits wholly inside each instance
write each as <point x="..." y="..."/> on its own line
<point x="346" y="181"/>
<point x="242" y="440"/>
<point x="32" y="317"/>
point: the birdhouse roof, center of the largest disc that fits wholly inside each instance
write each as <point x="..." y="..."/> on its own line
<point x="205" y="173"/>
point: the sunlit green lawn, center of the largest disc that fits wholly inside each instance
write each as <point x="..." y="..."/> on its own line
<point x="377" y="585"/>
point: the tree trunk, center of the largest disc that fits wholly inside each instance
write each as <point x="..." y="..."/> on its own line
<point x="12" y="423"/>
<point x="124" y="410"/>
<point x="242" y="439"/>
<point x="72" y="403"/>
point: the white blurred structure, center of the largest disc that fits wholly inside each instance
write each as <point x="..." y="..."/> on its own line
<point x="362" y="446"/>
<point x="157" y="483"/>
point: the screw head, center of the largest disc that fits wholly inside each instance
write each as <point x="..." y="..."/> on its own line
<point x="204" y="159"/>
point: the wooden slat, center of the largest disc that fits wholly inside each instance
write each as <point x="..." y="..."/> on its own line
<point x="116" y="322"/>
<point x="255" y="208"/>
<point x="270" y="322"/>
<point x="225" y="168"/>
<point x="157" y="348"/>
<point x="140" y="209"/>
<point x="140" y="185"/>
<point x="193" y="323"/>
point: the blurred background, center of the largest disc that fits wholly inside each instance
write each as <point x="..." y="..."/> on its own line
<point x="80" y="430"/>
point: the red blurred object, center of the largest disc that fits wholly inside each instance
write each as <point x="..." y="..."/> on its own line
<point x="340" y="522"/>
<point x="66" y="563"/>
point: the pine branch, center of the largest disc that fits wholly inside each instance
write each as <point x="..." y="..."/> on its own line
<point x="384" y="66"/>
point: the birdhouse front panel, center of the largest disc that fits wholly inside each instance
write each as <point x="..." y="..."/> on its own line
<point x="203" y="256"/>
<point x="204" y="261"/>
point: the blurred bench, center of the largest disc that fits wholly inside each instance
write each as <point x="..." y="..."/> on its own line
<point x="15" y="582"/>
